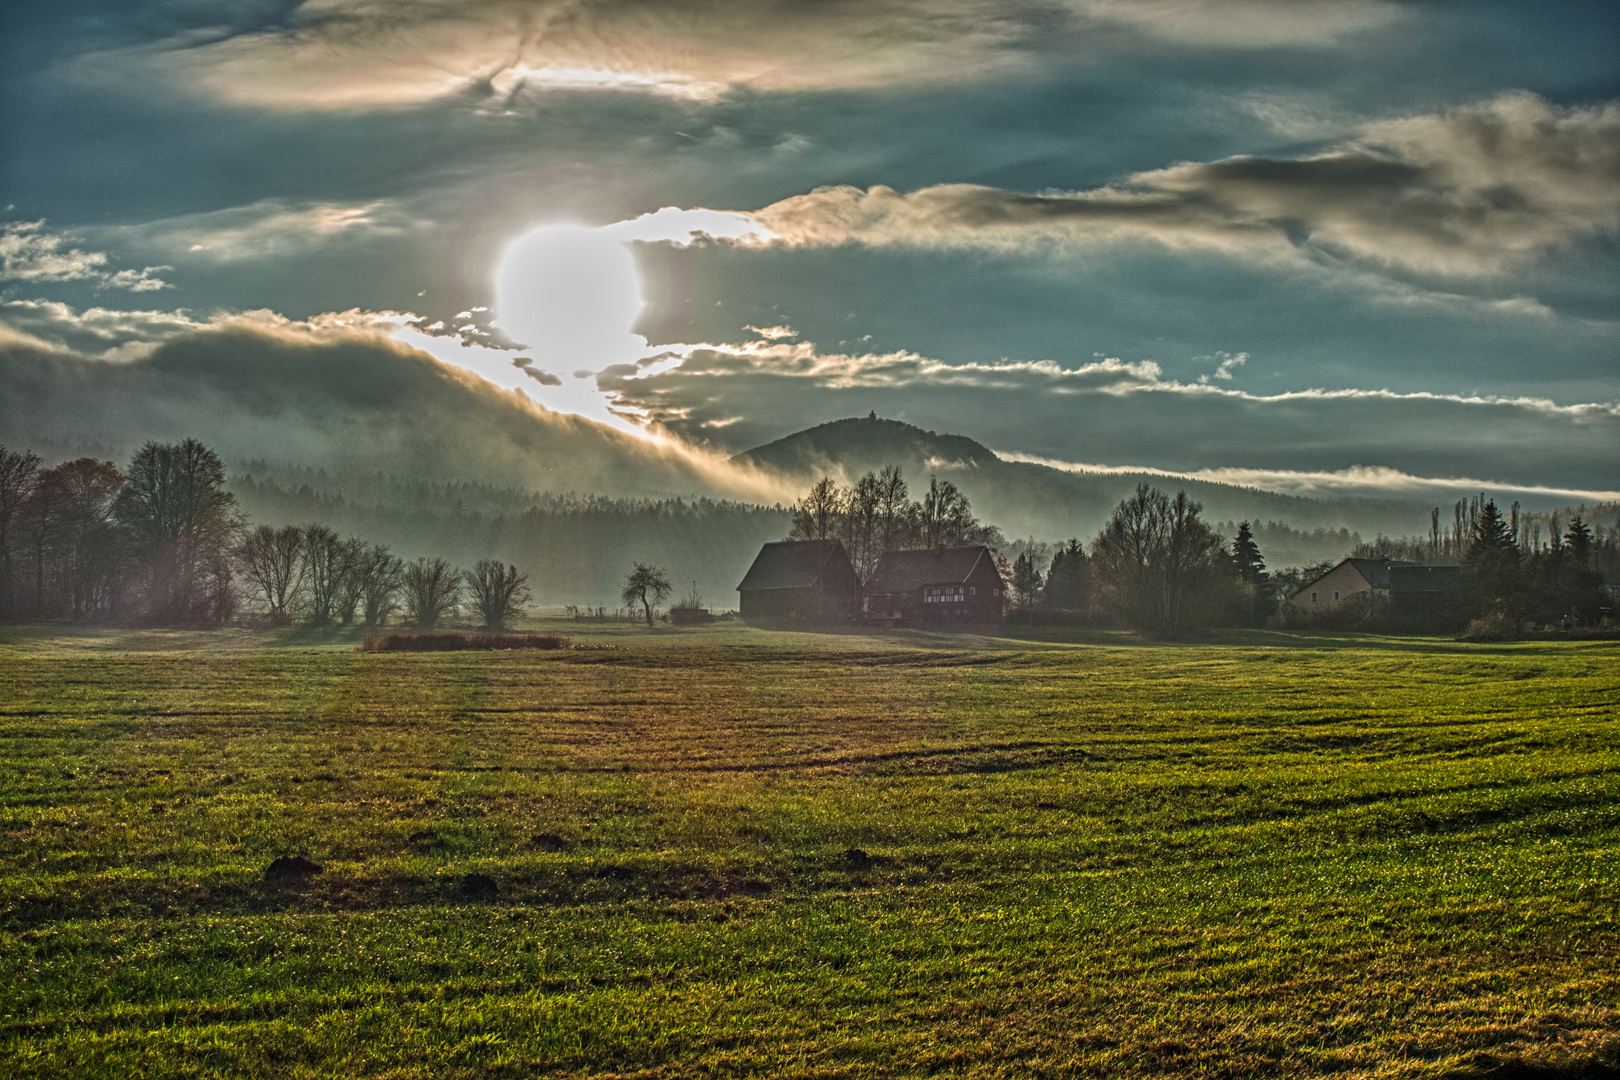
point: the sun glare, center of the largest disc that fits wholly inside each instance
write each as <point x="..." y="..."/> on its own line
<point x="570" y="294"/>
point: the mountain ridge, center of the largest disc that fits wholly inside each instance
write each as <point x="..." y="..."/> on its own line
<point x="1027" y="498"/>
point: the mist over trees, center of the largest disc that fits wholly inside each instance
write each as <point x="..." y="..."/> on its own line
<point x="165" y="541"/>
<point x="583" y="541"/>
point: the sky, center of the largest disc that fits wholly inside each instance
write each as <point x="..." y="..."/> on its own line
<point x="1340" y="246"/>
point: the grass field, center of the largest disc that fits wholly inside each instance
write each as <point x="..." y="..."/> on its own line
<point x="729" y="852"/>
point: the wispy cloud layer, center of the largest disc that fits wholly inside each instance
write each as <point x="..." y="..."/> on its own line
<point x="267" y="228"/>
<point x="1359" y="480"/>
<point x="1125" y="413"/>
<point x="340" y="54"/>
<point x="1461" y="194"/>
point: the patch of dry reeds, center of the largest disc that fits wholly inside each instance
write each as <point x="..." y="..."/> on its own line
<point x="457" y="642"/>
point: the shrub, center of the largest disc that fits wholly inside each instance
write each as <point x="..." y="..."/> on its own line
<point x="1492" y="627"/>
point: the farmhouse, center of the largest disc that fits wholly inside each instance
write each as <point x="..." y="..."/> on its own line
<point x="943" y="587"/>
<point x="799" y="583"/>
<point x="1352" y="577"/>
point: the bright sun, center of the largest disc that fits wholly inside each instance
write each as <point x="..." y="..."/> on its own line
<point x="570" y="294"/>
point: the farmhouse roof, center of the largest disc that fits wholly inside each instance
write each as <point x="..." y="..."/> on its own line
<point x="790" y="564"/>
<point x="906" y="571"/>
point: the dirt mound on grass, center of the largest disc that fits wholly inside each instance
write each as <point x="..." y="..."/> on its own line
<point x="291" y="868"/>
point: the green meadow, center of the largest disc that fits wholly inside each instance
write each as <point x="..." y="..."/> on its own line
<point x="718" y="852"/>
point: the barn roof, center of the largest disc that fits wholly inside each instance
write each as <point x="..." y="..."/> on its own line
<point x="906" y="571"/>
<point x="790" y="564"/>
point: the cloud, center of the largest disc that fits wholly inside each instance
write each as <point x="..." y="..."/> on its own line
<point x="108" y="333"/>
<point x="890" y="371"/>
<point x="270" y="227"/>
<point x="345" y="54"/>
<point x="29" y="252"/>
<point x="1228" y="362"/>
<point x="1127" y="413"/>
<point x="544" y="378"/>
<point x="1358" y="480"/>
<point x="1467" y="193"/>
<point x="338" y="391"/>
<point x="682" y="228"/>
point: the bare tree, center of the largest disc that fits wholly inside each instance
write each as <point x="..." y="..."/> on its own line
<point x="945" y="519"/>
<point x="382" y="577"/>
<point x="499" y="592"/>
<point x="1027" y="581"/>
<point x="183" y="523"/>
<point x="647" y="586"/>
<point x="862" y="524"/>
<point x="351" y="583"/>
<point x="272" y="561"/>
<point x="816" y="516"/>
<point x="1158" y="565"/>
<point x="432" y="591"/>
<point x="323" y="573"/>
<point x="892" y="500"/>
<point x="79" y="557"/>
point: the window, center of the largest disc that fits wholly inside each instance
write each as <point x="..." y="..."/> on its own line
<point x="1335" y="594"/>
<point x="972" y="591"/>
<point x="1313" y="598"/>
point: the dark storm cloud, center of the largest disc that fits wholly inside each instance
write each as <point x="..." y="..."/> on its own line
<point x="1461" y="194"/>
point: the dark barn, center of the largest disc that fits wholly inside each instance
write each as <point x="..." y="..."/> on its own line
<point x="943" y="587"/>
<point x="800" y="583"/>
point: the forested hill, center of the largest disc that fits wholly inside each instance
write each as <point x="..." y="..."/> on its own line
<point x="353" y="403"/>
<point x="1027" y="499"/>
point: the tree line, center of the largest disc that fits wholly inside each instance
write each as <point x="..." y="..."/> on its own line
<point x="1157" y="566"/>
<point x="164" y="542"/>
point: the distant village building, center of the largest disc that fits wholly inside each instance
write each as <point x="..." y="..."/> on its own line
<point x="800" y="583"/>
<point x="1352" y="577"/>
<point x="943" y="587"/>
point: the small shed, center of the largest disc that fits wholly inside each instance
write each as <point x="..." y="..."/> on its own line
<point x="936" y="587"/>
<point x="799" y="583"/>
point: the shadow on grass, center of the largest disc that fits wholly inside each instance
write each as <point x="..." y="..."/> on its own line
<point x="1606" y="1066"/>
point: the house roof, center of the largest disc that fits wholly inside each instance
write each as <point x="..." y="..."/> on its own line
<point x="906" y="571"/>
<point x="1411" y="578"/>
<point x="1376" y="571"/>
<point x="790" y="564"/>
